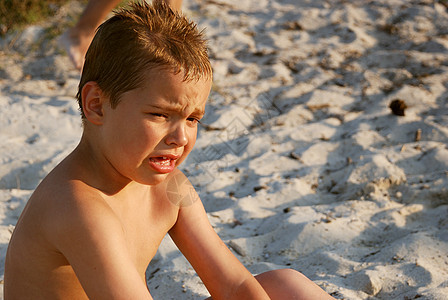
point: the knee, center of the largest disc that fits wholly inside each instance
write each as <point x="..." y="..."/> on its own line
<point x="283" y="274"/>
<point x="290" y="284"/>
<point x="289" y="272"/>
<point x="284" y="278"/>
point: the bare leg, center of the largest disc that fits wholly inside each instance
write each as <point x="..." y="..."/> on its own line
<point x="290" y="284"/>
<point x="77" y="39"/>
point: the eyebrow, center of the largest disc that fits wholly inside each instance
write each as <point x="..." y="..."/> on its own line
<point x="176" y="108"/>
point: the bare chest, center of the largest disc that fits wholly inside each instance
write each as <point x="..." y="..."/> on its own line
<point x="144" y="229"/>
<point x="143" y="240"/>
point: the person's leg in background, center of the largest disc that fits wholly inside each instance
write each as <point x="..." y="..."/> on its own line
<point x="77" y="39"/>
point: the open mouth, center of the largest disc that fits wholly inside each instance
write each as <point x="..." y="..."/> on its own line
<point x="163" y="160"/>
<point x="163" y="164"/>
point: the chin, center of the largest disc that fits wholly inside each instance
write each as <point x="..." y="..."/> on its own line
<point x="154" y="179"/>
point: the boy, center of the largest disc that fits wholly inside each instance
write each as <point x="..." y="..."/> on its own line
<point x="94" y="223"/>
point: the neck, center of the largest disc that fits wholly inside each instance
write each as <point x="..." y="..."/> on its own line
<point x="96" y="170"/>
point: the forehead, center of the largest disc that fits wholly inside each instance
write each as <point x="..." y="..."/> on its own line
<point x="164" y="87"/>
<point x="167" y="91"/>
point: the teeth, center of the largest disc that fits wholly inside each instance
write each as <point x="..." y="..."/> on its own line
<point x="165" y="161"/>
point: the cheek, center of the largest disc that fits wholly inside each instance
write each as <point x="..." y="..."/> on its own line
<point x="134" y="141"/>
<point x="192" y="135"/>
<point x="191" y="141"/>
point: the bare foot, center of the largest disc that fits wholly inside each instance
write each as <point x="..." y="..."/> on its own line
<point x="76" y="46"/>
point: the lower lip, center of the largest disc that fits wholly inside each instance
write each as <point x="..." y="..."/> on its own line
<point x="163" y="168"/>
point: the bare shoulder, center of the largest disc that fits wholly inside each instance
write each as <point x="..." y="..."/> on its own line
<point x="77" y="206"/>
<point x="179" y="190"/>
<point x="55" y="226"/>
<point x="62" y="204"/>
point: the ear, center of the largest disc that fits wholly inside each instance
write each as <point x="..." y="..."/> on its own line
<point x="93" y="101"/>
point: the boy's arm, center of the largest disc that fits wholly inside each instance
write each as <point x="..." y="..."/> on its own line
<point x="90" y="237"/>
<point x="222" y="273"/>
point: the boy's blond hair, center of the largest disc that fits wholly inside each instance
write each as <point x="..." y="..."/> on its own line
<point x="137" y="39"/>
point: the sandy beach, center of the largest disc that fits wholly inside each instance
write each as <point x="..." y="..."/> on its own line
<point x="301" y="161"/>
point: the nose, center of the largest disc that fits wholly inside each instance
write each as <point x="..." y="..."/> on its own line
<point x="177" y="136"/>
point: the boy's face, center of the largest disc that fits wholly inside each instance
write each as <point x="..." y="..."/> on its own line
<point x="154" y="127"/>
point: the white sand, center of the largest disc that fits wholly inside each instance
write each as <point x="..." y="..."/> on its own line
<point x="306" y="167"/>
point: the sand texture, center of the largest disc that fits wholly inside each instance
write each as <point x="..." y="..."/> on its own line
<point x="300" y="162"/>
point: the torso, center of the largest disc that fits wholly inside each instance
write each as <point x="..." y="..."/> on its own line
<point x="38" y="270"/>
